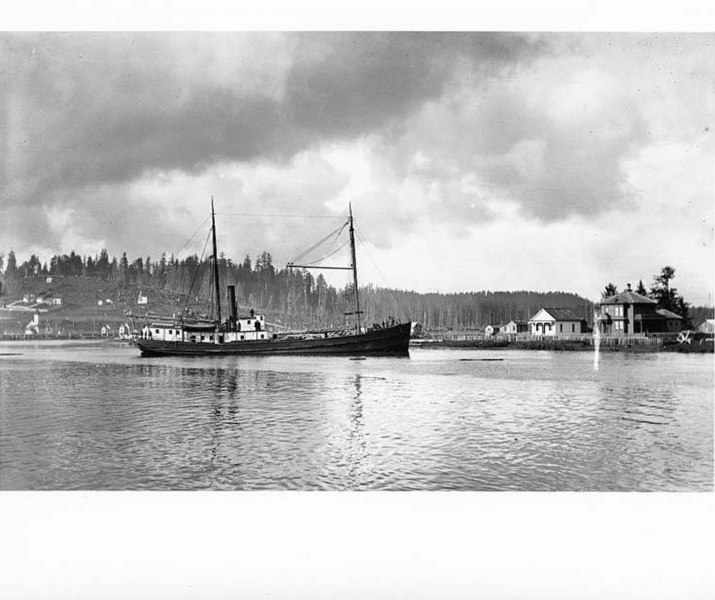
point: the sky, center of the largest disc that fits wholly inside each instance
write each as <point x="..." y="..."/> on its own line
<point x="473" y="161"/>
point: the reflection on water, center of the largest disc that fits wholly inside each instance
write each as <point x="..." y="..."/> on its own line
<point x="102" y="418"/>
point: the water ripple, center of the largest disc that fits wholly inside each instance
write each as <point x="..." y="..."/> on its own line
<point x="101" y="418"/>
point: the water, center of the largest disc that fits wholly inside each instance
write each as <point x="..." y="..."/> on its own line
<point x="90" y="416"/>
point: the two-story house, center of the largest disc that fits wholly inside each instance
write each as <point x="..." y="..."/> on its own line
<point x="629" y="313"/>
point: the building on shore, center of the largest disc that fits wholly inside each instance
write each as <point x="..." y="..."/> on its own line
<point x="492" y="329"/>
<point x="513" y="327"/>
<point x="631" y="313"/>
<point x="556" y="321"/>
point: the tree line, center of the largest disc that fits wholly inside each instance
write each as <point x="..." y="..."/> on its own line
<point x="302" y="299"/>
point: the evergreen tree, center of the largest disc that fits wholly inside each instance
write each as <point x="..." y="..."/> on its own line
<point x="11" y="269"/>
<point x="608" y="291"/>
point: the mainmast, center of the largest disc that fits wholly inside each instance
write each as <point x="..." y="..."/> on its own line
<point x="216" y="281"/>
<point x="358" y="312"/>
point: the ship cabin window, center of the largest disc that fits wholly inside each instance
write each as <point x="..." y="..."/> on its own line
<point x="193" y="338"/>
<point x="243" y="337"/>
<point x="171" y="332"/>
<point x="573" y="327"/>
<point x="156" y="331"/>
<point x="220" y="339"/>
<point x="203" y="338"/>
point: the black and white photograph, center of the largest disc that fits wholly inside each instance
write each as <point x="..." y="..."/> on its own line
<point x="369" y="265"/>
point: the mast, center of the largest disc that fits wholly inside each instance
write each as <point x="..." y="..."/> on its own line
<point x="358" y="312"/>
<point x="216" y="282"/>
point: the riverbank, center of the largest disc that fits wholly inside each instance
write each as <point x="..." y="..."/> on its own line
<point x="694" y="344"/>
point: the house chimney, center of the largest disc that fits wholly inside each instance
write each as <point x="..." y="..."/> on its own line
<point x="628" y="286"/>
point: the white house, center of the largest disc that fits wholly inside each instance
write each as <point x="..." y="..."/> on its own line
<point x="515" y="327"/>
<point x="142" y="299"/>
<point x="33" y="327"/>
<point x="491" y="329"/>
<point x="555" y="321"/>
<point x="708" y="326"/>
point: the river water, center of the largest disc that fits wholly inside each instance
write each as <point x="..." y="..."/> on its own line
<point x="100" y="417"/>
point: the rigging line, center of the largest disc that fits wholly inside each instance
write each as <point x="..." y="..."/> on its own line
<point x="196" y="272"/>
<point x="395" y="304"/>
<point x="199" y="228"/>
<point x="338" y="249"/>
<point x="339" y="230"/>
<point x="280" y="215"/>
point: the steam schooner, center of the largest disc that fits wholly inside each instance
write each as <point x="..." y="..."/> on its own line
<point x="249" y="334"/>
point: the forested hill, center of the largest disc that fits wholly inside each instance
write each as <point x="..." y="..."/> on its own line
<point x="471" y="310"/>
<point x="294" y="297"/>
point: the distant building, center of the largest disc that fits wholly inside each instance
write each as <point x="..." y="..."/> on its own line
<point x="556" y="321"/>
<point x="491" y="329"/>
<point x="106" y="331"/>
<point x="629" y="313"/>
<point x="672" y="322"/>
<point x="515" y="327"/>
<point x="33" y="327"/>
<point x="99" y="303"/>
<point x="142" y="299"/>
<point x="708" y="326"/>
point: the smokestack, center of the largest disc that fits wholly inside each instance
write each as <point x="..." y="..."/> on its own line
<point x="232" y="307"/>
<point x="628" y="285"/>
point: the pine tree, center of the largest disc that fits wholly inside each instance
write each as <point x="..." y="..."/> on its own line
<point x="608" y="291"/>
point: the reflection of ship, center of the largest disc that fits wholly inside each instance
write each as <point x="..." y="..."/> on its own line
<point x="248" y="335"/>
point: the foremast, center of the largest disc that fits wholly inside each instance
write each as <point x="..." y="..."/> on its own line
<point x="217" y="286"/>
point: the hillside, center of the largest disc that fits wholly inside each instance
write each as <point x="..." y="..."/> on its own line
<point x="289" y="300"/>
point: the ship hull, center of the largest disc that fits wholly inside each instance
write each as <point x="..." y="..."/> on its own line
<point x="388" y="341"/>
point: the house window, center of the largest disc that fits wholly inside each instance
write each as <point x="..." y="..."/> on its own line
<point x="561" y="327"/>
<point x="573" y="327"/>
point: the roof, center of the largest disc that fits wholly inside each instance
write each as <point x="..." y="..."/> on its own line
<point x="668" y="314"/>
<point x="559" y="314"/>
<point x="628" y="297"/>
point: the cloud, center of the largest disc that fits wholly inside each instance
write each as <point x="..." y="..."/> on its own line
<point x="106" y="108"/>
<point x="85" y="112"/>
<point x="123" y="137"/>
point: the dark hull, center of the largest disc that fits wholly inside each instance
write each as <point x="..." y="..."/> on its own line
<point x="390" y="341"/>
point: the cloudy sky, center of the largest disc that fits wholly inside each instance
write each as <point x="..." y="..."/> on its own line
<point x="472" y="160"/>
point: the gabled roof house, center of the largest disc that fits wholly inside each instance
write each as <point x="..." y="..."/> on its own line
<point x="555" y="321"/>
<point x="629" y="312"/>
